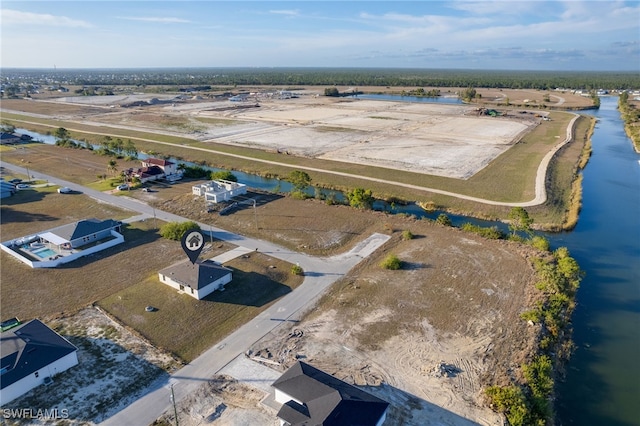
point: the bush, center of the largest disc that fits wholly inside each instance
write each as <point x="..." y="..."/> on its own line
<point x="175" y="230"/>
<point x="443" y="219"/>
<point x="296" y="270"/>
<point x="492" y="233"/>
<point x="407" y="235"/>
<point x="391" y="262"/>
<point x="223" y="175"/>
<point x="511" y="401"/>
<point x="360" y="198"/>
<point x="541" y="243"/>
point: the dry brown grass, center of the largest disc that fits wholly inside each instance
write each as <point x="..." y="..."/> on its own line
<point x="186" y="326"/>
<point x="310" y="226"/>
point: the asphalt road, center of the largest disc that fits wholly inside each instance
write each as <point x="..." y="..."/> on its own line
<point x="320" y="273"/>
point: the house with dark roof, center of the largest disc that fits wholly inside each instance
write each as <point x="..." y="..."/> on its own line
<point x="7" y="189"/>
<point x="9" y="138"/>
<point x="81" y="233"/>
<point x="198" y="279"/>
<point x="31" y="355"/>
<point x="312" y="397"/>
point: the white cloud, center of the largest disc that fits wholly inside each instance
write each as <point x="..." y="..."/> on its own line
<point x="164" y="20"/>
<point x="16" y="17"/>
<point x="289" y="12"/>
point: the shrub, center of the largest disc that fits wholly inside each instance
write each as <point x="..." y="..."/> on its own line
<point x="391" y="262"/>
<point x="360" y="198"/>
<point x="223" y="175"/>
<point x="541" y="243"/>
<point x="511" y="401"/>
<point x="443" y="219"/>
<point x="296" y="270"/>
<point x="175" y="230"/>
<point x="492" y="233"/>
<point x="407" y="235"/>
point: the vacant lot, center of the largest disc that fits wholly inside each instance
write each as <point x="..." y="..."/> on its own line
<point x="435" y="332"/>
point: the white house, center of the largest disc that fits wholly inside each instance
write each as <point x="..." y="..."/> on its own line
<point x="219" y="190"/>
<point x="168" y="167"/>
<point x="65" y="243"/>
<point x="198" y="280"/>
<point x="312" y="397"/>
<point x="31" y="354"/>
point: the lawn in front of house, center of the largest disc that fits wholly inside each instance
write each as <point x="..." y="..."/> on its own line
<point x="187" y="327"/>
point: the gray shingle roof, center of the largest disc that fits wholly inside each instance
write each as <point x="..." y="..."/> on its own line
<point x="197" y="275"/>
<point x="83" y="228"/>
<point x="325" y="399"/>
<point x="28" y="348"/>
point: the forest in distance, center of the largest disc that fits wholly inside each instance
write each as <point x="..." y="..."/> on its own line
<point x="289" y="78"/>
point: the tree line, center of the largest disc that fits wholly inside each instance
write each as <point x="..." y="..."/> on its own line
<point x="292" y="77"/>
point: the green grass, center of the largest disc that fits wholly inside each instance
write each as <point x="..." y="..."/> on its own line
<point x="186" y="326"/>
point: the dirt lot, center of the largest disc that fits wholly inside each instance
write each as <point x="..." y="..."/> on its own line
<point x="436" y="139"/>
<point x="435" y="332"/>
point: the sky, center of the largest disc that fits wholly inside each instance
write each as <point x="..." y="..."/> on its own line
<point x="506" y="35"/>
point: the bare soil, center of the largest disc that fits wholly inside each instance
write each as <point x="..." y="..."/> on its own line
<point x="436" y="332"/>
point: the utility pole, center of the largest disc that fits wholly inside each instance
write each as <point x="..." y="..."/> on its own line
<point x="155" y="224"/>
<point x="173" y="400"/>
<point x="255" y="213"/>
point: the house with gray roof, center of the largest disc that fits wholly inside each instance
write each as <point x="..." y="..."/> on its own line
<point x="32" y="354"/>
<point x="198" y="279"/>
<point x="66" y="243"/>
<point x="83" y="232"/>
<point x="312" y="397"/>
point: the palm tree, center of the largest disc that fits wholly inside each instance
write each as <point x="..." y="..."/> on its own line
<point x="112" y="166"/>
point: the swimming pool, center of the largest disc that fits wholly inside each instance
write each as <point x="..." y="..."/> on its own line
<point x="44" y="253"/>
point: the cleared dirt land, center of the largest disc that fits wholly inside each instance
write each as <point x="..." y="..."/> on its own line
<point x="453" y="141"/>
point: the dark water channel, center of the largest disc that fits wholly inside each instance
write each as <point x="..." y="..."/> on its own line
<point x="602" y="386"/>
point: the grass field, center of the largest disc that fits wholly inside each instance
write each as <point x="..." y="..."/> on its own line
<point x="186" y="326"/>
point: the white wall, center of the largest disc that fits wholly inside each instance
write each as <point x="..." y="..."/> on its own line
<point x="24" y="385"/>
<point x="283" y="398"/>
<point x="197" y="294"/>
<point x="206" y="290"/>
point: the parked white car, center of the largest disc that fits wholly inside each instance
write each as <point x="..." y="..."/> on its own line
<point x="64" y="190"/>
<point x="122" y="187"/>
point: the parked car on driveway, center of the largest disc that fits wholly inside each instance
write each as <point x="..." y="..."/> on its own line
<point x="22" y="186"/>
<point x="122" y="187"/>
<point x="64" y="190"/>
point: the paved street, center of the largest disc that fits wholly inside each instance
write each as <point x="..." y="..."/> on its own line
<point x="320" y="273"/>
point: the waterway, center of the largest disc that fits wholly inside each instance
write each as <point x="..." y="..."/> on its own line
<point x="602" y="386"/>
